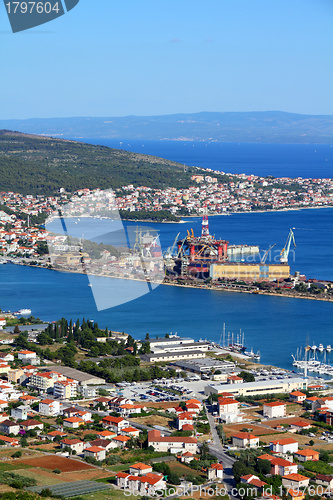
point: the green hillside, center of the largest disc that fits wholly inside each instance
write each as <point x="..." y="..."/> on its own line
<point x="41" y="165"/>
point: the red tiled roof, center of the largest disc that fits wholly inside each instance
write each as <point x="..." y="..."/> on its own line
<point x="113" y="420"/>
<point x="217" y="466"/>
<point x="301" y="424"/>
<point x="124" y="439"/>
<point x="295" y="477"/>
<point x="284" y="441"/>
<point x="245" y="435"/>
<point x="307" y="452"/>
<point x="94" y="449"/>
<point x="140" y="466"/>
<point x="71" y="441"/>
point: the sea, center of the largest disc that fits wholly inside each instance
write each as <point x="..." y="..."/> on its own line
<point x="275" y="326"/>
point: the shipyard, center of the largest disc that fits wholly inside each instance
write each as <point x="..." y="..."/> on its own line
<point x="205" y="256"/>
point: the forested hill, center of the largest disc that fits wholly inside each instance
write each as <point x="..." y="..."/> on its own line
<point x="41" y="165"/>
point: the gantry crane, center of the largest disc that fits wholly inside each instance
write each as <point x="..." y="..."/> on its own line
<point x="285" y="250"/>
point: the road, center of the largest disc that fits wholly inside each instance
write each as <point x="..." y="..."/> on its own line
<point x="216" y="449"/>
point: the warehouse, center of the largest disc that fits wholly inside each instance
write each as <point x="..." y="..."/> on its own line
<point x="170" y="356"/>
<point x="81" y="377"/>
<point x="257" y="388"/>
<point x="203" y="365"/>
<point x="250" y="272"/>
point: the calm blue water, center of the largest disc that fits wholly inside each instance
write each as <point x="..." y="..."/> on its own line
<point x="279" y="160"/>
<point x="276" y="326"/>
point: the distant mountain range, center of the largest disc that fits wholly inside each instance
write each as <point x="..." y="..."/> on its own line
<point x="258" y="127"/>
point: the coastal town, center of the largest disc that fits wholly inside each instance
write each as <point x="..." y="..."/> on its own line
<point x="239" y="193"/>
<point x="24" y="238"/>
<point x="202" y="422"/>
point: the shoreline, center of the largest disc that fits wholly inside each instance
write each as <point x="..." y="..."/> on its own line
<point x="199" y="286"/>
<point x="180" y="221"/>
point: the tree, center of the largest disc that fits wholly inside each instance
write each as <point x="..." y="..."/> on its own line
<point x="247" y="376"/>
<point x="17" y="454"/>
<point x="23" y="442"/>
<point x="264" y="466"/>
<point x="239" y="469"/>
<point x="16" y="329"/>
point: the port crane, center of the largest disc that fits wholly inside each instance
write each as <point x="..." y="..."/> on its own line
<point x="264" y="257"/>
<point x="169" y="253"/>
<point x="285" y="250"/>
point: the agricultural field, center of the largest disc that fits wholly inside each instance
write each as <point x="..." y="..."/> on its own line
<point x="111" y="494"/>
<point x="53" y="462"/>
<point x="153" y="420"/>
<point x="288" y="421"/>
<point x="258" y="430"/>
<point x="182" y="469"/>
<point x="302" y="440"/>
<point x="48" y="478"/>
<point x="163" y="406"/>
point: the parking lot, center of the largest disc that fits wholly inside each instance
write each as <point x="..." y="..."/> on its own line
<point x="146" y="392"/>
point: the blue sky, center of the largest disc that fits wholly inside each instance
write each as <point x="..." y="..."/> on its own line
<point x="151" y="57"/>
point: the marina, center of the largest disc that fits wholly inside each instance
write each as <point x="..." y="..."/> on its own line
<point x="235" y="344"/>
<point x="310" y="362"/>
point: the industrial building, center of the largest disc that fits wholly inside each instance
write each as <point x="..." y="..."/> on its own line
<point x="201" y="346"/>
<point x="82" y="378"/>
<point x="249" y="272"/>
<point x="260" y="387"/>
<point x="204" y="365"/>
<point x="205" y="256"/>
<point x="171" y="356"/>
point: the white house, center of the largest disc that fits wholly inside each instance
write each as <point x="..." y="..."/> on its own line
<point x="95" y="452"/>
<point x="9" y="427"/>
<point x="245" y="440"/>
<point x="49" y="407"/>
<point x="130" y="431"/>
<point x="284" y="445"/>
<point x="73" y="422"/>
<point x="20" y="412"/>
<point x="32" y="425"/>
<point x="215" y="472"/>
<point x="295" y="481"/>
<point x="74" y="444"/>
<point x="120" y="441"/>
<point x="6" y="356"/>
<point x="27" y="356"/>
<point x="228" y="410"/>
<point x="174" y="444"/>
<point x="297" y="397"/>
<point x="148" y="485"/>
<point x="115" y="424"/>
<point x="184" y="419"/>
<point x="139" y="469"/>
<point x="275" y="409"/>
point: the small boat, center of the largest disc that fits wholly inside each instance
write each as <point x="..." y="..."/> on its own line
<point x="328" y="348"/>
<point x="320" y="348"/>
<point x="23" y="312"/>
<point x="314" y="347"/>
